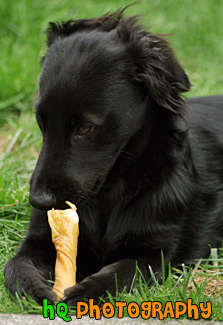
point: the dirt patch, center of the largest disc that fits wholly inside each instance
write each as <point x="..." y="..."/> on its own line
<point x="210" y="280"/>
<point x="3" y="144"/>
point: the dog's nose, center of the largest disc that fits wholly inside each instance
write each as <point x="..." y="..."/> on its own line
<point x="42" y="200"/>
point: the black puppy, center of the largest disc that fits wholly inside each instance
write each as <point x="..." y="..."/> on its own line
<point x="144" y="167"/>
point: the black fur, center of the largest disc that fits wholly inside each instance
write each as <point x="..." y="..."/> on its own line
<point x="147" y="175"/>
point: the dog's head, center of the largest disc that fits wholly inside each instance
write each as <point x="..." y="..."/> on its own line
<point x="98" y="82"/>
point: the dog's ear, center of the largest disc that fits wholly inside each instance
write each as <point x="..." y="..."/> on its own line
<point x="158" y="69"/>
<point x="155" y="65"/>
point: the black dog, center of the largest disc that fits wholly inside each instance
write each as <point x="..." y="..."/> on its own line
<point x="144" y="167"/>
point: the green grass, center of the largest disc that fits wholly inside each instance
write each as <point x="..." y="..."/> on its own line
<point x="195" y="29"/>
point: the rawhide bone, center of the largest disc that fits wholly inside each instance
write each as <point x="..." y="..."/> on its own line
<point x="65" y="231"/>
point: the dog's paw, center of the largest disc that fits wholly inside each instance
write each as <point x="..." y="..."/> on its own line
<point x="23" y="279"/>
<point x="89" y="288"/>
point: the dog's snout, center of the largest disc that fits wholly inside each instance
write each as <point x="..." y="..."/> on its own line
<point x="42" y="200"/>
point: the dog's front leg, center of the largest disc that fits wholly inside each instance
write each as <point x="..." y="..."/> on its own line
<point x="31" y="270"/>
<point x="116" y="276"/>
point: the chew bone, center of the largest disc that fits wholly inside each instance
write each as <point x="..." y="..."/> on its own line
<point x="65" y="231"/>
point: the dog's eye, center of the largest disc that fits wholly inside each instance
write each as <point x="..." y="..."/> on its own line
<point x="84" y="129"/>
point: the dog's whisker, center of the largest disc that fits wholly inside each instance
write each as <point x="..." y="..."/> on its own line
<point x="86" y="200"/>
<point x="127" y="155"/>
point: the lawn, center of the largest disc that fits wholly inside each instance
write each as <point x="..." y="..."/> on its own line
<point x="195" y="31"/>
